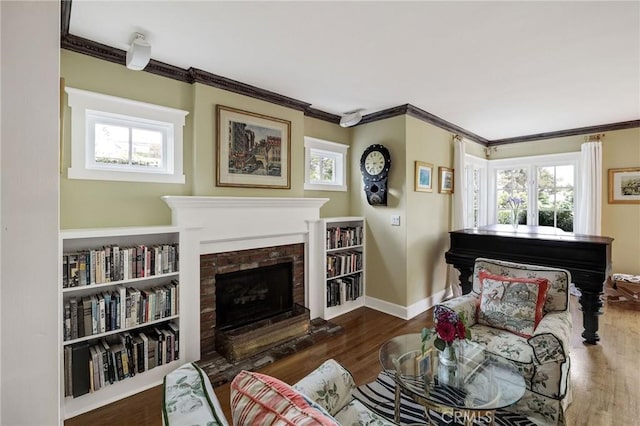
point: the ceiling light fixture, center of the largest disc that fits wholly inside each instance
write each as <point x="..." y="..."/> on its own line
<point x="351" y="118"/>
<point x="139" y="53"/>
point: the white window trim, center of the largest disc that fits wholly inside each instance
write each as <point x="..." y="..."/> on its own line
<point x="341" y="166"/>
<point x="82" y="101"/>
<point x="531" y="163"/>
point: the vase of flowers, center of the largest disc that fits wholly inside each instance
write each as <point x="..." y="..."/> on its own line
<point x="515" y="203"/>
<point x="449" y="328"/>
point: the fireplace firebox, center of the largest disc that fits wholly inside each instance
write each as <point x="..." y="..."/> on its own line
<point x="248" y="296"/>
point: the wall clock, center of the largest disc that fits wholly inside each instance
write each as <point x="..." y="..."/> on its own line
<point x="374" y="165"/>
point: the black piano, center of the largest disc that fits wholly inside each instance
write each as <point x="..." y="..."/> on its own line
<point x="587" y="257"/>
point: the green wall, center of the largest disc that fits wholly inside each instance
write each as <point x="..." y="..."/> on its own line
<point x="386" y="244"/>
<point x="621" y="149"/>
<point x="428" y="213"/>
<point x="93" y="203"/>
<point x="339" y="204"/>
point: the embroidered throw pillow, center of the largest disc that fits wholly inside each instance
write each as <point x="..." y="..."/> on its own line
<point x="513" y="304"/>
<point x="258" y="399"/>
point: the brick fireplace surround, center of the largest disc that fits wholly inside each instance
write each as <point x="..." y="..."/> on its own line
<point x="232" y="261"/>
<point x="217" y="227"/>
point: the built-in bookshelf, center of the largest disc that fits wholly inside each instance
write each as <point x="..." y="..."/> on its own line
<point x="344" y="265"/>
<point x="120" y="313"/>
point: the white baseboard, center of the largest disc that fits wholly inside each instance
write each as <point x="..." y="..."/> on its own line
<point x="404" y="312"/>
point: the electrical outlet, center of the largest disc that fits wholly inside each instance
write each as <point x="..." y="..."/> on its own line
<point x="395" y="220"/>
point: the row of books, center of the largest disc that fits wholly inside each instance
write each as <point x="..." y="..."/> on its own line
<point x="113" y="263"/>
<point x="343" y="263"/>
<point x="90" y="367"/>
<point x="348" y="236"/>
<point x="121" y="308"/>
<point x="343" y="289"/>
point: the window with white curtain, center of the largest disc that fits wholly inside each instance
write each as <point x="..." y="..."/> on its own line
<point x="547" y="184"/>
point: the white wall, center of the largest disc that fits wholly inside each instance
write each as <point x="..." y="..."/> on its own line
<point x="29" y="217"/>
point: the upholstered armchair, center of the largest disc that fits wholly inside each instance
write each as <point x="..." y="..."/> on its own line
<point x="540" y="352"/>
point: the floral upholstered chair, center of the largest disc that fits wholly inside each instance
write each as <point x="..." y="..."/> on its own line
<point x="521" y="313"/>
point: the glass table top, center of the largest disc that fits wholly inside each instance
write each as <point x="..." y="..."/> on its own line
<point x="476" y="381"/>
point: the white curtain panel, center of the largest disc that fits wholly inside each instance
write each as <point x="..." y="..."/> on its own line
<point x="459" y="210"/>
<point x="460" y="185"/>
<point x="589" y="214"/>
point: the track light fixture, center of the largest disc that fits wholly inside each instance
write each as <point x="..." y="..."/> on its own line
<point x="139" y="53"/>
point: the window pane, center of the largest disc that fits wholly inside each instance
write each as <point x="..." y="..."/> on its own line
<point x="146" y="148"/>
<point x="111" y="144"/>
<point x="555" y="197"/>
<point x="511" y="184"/>
<point x="322" y="168"/>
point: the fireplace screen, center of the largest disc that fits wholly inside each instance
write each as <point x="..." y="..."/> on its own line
<point x="251" y="295"/>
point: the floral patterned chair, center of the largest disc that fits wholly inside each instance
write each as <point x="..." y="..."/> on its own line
<point x="541" y="353"/>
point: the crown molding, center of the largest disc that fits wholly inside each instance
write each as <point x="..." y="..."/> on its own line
<point x="413" y="111"/>
<point x="204" y="77"/>
<point x="321" y="115"/>
<point x="193" y="75"/>
<point x="569" y="132"/>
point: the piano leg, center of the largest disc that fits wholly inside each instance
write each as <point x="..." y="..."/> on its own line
<point x="465" y="279"/>
<point x="591" y="305"/>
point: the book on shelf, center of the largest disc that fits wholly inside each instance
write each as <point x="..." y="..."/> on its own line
<point x="344" y="236"/>
<point x="119" y="309"/>
<point x="343" y="263"/>
<point x="112" y="263"/>
<point x="91" y="366"/>
<point x="344" y="289"/>
<point x="80" y="369"/>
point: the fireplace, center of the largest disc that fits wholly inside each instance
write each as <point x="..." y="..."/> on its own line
<point x="248" y="296"/>
<point x="244" y="287"/>
<point x="212" y="227"/>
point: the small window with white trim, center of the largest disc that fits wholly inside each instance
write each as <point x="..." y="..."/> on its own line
<point x="119" y="139"/>
<point x="325" y="165"/>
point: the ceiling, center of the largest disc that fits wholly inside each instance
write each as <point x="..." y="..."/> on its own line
<point x="496" y="69"/>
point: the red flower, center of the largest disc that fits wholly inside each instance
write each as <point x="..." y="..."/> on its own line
<point x="446" y="331"/>
<point x="460" y="330"/>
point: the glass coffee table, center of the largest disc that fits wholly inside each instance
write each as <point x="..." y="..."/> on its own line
<point x="472" y="388"/>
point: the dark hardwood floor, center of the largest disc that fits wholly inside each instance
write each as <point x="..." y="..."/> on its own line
<point x="605" y="385"/>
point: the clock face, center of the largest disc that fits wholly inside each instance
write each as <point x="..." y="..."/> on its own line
<point x="374" y="163"/>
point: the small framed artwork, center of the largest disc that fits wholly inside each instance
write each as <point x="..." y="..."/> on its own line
<point x="445" y="180"/>
<point x="624" y="186"/>
<point x="424" y="177"/>
<point x="252" y="150"/>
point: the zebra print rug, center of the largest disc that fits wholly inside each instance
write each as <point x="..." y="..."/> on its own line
<point x="379" y="396"/>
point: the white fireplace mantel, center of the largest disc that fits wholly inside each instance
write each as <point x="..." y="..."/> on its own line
<point x="220" y="224"/>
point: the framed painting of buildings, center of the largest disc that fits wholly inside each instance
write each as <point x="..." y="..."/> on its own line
<point x="252" y="150"/>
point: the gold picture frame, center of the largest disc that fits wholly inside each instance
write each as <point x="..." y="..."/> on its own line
<point x="252" y="150"/>
<point x="423" y="177"/>
<point x="445" y="180"/>
<point x="624" y="186"/>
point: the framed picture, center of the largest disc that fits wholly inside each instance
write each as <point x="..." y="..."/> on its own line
<point x="624" y="186"/>
<point x="252" y="150"/>
<point x="445" y="178"/>
<point x="424" y="179"/>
